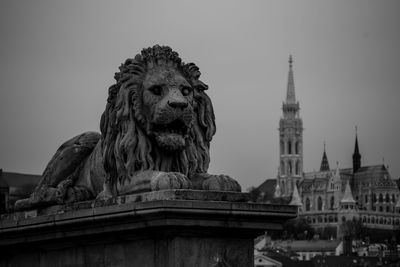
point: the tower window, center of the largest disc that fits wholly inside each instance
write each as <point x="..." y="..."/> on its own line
<point x="297" y="147"/>
<point x="366" y="198"/>
<point x="298" y="167"/>
<point x="282" y="168"/>
<point x="282" y="147"/>
<point x="307" y="204"/>
<point x="289" y="168"/>
<point x="289" y="147"/>
<point x="387" y="198"/>
<point x="319" y="203"/>
<point x="332" y="202"/>
<point x="380" y="198"/>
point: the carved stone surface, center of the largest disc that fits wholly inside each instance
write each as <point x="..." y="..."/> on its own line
<point x="154" y="229"/>
<point x="155" y="134"/>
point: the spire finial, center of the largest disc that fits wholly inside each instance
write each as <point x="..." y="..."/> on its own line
<point x="290" y="95"/>
<point x="324" y="146"/>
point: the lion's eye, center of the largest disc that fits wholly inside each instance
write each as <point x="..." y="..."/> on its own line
<point x="186" y="91"/>
<point x="156" y="89"/>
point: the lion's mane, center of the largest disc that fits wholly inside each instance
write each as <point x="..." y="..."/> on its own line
<point x="125" y="145"/>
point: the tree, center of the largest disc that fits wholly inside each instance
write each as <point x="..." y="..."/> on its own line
<point x="254" y="193"/>
<point x="298" y="228"/>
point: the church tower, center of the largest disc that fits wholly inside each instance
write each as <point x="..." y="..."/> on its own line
<point x="290" y="140"/>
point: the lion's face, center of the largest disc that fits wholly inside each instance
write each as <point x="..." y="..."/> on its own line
<point x="167" y="105"/>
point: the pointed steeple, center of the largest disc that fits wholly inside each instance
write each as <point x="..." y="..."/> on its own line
<point x="290" y="95"/>
<point x="348" y="196"/>
<point x="277" y="192"/>
<point x="356" y="155"/>
<point x="324" y="162"/>
<point x="296" y="200"/>
<point x="336" y="175"/>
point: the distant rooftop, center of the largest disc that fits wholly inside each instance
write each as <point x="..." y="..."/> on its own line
<point x="309" y="245"/>
<point x="13" y="179"/>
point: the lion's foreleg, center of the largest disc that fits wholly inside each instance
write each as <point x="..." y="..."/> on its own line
<point x="145" y="181"/>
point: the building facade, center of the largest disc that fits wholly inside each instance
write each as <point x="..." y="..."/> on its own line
<point x="368" y="194"/>
<point x="329" y="198"/>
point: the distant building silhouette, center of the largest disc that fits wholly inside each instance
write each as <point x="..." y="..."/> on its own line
<point x="14" y="186"/>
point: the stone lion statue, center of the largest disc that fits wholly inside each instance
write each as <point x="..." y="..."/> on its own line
<point x="155" y="135"/>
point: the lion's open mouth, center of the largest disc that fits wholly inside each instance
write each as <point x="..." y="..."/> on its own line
<point x="171" y="136"/>
<point x="175" y="127"/>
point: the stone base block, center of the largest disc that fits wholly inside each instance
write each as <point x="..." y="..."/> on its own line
<point x="156" y="229"/>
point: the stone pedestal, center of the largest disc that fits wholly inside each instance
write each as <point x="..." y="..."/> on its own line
<point x="156" y="229"/>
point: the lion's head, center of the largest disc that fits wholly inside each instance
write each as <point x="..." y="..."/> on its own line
<point x="158" y="117"/>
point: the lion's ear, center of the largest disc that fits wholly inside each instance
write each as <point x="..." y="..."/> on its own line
<point x="199" y="85"/>
<point x="205" y="111"/>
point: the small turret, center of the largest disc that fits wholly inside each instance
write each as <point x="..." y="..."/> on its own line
<point x="296" y="200"/>
<point x="347" y="201"/>
<point x="324" y="161"/>
<point x="336" y="174"/>
<point x="277" y="192"/>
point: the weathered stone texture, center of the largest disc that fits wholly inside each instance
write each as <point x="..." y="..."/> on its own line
<point x="154" y="229"/>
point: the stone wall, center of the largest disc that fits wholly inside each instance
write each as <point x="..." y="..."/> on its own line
<point x="160" y="229"/>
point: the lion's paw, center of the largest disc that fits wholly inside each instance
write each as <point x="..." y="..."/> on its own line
<point x="221" y="183"/>
<point x="170" y="180"/>
<point x="105" y="194"/>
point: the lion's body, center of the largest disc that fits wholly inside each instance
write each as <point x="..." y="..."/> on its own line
<point x="155" y="134"/>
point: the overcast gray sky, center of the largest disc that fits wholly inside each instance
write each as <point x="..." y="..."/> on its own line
<point x="58" y="58"/>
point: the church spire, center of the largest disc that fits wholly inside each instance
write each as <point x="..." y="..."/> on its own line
<point x="356" y="156"/>
<point x="324" y="162"/>
<point x="290" y="95"/>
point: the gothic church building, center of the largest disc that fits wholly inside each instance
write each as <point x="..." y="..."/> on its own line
<point x="329" y="197"/>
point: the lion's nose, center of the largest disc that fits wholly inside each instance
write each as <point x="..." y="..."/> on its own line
<point x="177" y="104"/>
